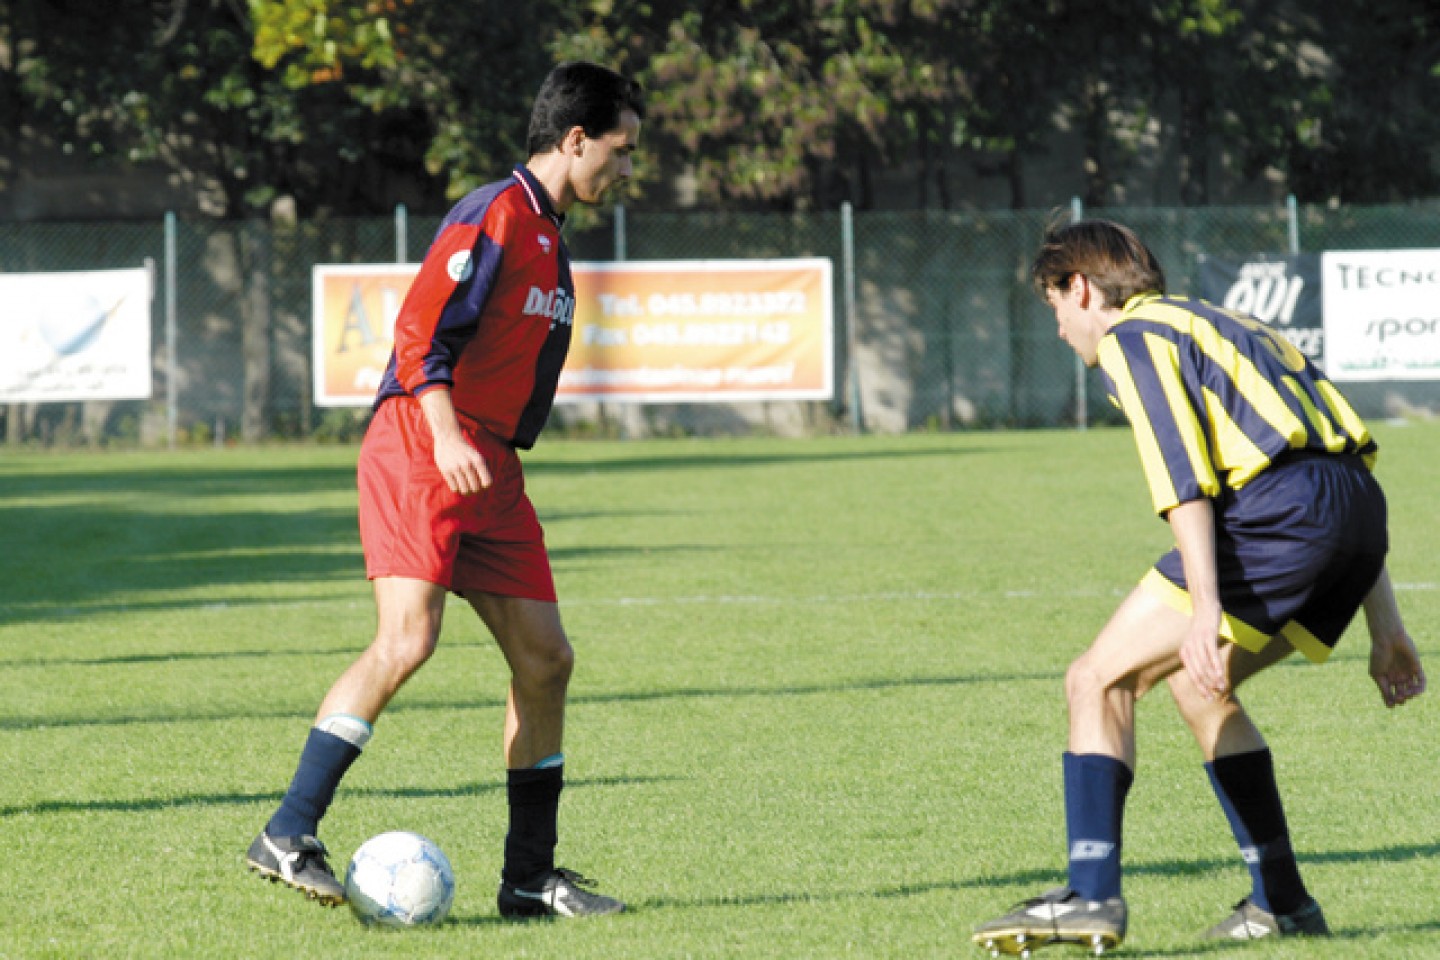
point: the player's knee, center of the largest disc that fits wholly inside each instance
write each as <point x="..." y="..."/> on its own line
<point x="402" y="652"/>
<point x="548" y="664"/>
<point x="1083" y="683"/>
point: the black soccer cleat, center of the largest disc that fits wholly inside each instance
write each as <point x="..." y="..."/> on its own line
<point x="563" y="893"/>
<point x="1056" y="916"/>
<point x="297" y="862"/>
<point x="1249" y="922"/>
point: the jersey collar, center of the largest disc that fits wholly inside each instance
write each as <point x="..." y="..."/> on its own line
<point x="538" y="196"/>
<point x="1138" y="301"/>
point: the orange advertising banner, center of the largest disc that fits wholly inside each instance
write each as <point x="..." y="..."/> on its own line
<point x="661" y="331"/>
<point x="354" y="310"/>
<point x="668" y="331"/>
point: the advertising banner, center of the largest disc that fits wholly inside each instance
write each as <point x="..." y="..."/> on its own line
<point x="354" y="309"/>
<point x="702" y="330"/>
<point x="1382" y="314"/>
<point x="75" y="336"/>
<point x="1282" y="290"/>
<point x="645" y="331"/>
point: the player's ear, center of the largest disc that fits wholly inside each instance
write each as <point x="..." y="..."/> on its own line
<point x="574" y="142"/>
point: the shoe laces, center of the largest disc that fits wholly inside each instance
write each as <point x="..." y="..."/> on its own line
<point x="312" y="851"/>
<point x="1057" y="895"/>
<point x="575" y="879"/>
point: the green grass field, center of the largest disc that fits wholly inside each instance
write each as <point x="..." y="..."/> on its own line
<point x="817" y="709"/>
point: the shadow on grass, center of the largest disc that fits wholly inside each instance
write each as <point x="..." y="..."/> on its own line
<point x="639" y="696"/>
<point x="1029" y="882"/>
<point x="154" y="804"/>
<point x="99" y="541"/>
<point x="786" y="453"/>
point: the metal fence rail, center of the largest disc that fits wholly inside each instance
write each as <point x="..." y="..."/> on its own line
<point x="941" y="328"/>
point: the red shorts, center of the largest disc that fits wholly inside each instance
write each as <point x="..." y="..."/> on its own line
<point x="412" y="524"/>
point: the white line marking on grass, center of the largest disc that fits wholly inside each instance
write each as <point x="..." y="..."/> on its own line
<point x="759" y="600"/>
<point x="724" y="599"/>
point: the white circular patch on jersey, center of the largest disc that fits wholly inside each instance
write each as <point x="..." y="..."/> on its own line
<point x="461" y="266"/>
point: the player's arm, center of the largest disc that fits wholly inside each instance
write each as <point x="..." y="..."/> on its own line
<point x="461" y="465"/>
<point x="1394" y="661"/>
<point x="1193" y="523"/>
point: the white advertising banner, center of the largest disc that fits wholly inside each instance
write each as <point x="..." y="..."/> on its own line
<point x="75" y="336"/>
<point x="1382" y="314"/>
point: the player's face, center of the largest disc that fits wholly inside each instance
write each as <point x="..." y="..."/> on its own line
<point x="605" y="160"/>
<point x="1073" y="314"/>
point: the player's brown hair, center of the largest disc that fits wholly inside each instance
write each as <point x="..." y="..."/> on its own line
<point x="581" y="94"/>
<point x="1110" y="255"/>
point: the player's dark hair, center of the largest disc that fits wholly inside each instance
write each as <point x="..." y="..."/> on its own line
<point x="581" y="94"/>
<point x="1110" y="256"/>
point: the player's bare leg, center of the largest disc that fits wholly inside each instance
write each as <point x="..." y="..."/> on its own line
<point x="287" y="850"/>
<point x="1135" y="650"/>
<point x="1242" y="772"/>
<point x="408" y="615"/>
<point x="541" y="661"/>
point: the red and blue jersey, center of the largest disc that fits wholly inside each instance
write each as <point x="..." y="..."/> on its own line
<point x="490" y="312"/>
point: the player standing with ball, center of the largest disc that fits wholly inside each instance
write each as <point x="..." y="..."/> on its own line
<point x="479" y="344"/>
<point x="1262" y="469"/>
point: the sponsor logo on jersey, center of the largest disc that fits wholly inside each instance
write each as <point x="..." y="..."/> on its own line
<point x="461" y="266"/>
<point x="544" y="242"/>
<point x="556" y="304"/>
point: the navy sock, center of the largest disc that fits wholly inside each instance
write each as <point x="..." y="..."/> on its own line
<point x="1095" y="791"/>
<point x="534" y="796"/>
<point x="323" y="762"/>
<point x="1245" y="786"/>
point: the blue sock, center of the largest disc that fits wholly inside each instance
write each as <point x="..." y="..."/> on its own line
<point x="1245" y="786"/>
<point x="1095" y="791"/>
<point x="323" y="762"/>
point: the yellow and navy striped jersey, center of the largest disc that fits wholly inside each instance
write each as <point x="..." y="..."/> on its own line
<point x="1214" y="397"/>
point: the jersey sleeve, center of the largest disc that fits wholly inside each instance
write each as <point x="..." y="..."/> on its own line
<point x="441" y="311"/>
<point x="1146" y="380"/>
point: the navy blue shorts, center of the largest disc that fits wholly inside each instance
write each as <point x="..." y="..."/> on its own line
<point x="1298" y="548"/>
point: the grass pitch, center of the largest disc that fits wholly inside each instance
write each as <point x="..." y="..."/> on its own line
<point x="817" y="710"/>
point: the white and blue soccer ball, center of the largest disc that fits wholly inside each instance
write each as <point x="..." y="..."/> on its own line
<point x="400" y="879"/>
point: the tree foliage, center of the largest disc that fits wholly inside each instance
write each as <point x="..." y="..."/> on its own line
<point x="773" y="103"/>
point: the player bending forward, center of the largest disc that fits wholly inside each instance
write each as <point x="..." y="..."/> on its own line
<point x="479" y="344"/>
<point x="1263" y="471"/>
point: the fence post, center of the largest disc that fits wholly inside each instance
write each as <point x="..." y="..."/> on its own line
<point x="852" y="369"/>
<point x="1292" y="212"/>
<point x="1082" y="391"/>
<point x="402" y="234"/>
<point x="621" y="253"/>
<point x="172" y="373"/>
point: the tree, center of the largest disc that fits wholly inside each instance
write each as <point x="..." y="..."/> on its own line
<point x="759" y="98"/>
<point x="465" y="74"/>
<point x="189" y="96"/>
<point x="1368" y="130"/>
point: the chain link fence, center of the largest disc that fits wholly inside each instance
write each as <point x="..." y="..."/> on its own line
<point x="937" y="327"/>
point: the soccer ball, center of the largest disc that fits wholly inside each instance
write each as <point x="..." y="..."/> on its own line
<point x="400" y="879"/>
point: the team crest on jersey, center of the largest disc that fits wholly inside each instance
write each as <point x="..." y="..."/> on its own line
<point x="544" y="242"/>
<point x="461" y="266"/>
<point x="557" y="305"/>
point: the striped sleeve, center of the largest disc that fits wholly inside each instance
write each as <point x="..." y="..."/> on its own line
<point x="1143" y="370"/>
<point x="442" y="308"/>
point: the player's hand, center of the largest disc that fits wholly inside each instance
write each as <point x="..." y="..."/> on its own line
<point x="461" y="465"/>
<point x="1395" y="668"/>
<point x="1200" y="653"/>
